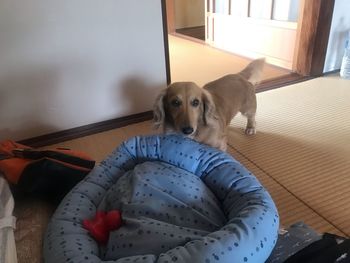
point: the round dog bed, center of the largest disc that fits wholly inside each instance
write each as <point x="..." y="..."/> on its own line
<point x="181" y="201"/>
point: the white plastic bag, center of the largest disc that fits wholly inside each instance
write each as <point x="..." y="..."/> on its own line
<point x="7" y="224"/>
<point x="345" y="65"/>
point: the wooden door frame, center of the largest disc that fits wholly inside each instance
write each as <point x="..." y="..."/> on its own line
<point x="314" y="23"/>
<point x="168" y="20"/>
<point x="170" y="15"/>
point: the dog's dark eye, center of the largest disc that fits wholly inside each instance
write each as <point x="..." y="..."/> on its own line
<point x="176" y="103"/>
<point x="195" y="103"/>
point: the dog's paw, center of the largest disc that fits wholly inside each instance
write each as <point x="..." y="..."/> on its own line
<point x="250" y="131"/>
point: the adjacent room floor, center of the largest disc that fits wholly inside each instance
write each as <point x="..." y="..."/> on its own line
<point x="201" y="63"/>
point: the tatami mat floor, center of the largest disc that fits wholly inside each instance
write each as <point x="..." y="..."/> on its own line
<point x="303" y="144"/>
<point x="291" y="209"/>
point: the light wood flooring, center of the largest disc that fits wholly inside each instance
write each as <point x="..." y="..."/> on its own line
<point x="201" y="63"/>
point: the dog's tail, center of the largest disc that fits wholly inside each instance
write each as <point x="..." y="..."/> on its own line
<point x="253" y="71"/>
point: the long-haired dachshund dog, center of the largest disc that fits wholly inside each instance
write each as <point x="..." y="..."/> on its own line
<point x="205" y="113"/>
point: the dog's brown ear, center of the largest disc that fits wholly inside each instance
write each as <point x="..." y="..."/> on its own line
<point x="158" y="110"/>
<point x="208" y="107"/>
<point x="253" y="71"/>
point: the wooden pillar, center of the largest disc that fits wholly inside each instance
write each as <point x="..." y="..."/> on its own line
<point x="170" y="13"/>
<point x="314" y="23"/>
<point x="166" y="40"/>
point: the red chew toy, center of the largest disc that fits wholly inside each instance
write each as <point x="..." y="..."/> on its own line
<point x="102" y="224"/>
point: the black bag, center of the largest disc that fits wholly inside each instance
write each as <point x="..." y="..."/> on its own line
<point x="48" y="174"/>
<point x="330" y="249"/>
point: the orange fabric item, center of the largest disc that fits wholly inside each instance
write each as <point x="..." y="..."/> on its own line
<point x="11" y="166"/>
<point x="12" y="163"/>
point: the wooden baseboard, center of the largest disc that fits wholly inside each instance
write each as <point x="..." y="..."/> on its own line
<point x="288" y="79"/>
<point x="85" y="130"/>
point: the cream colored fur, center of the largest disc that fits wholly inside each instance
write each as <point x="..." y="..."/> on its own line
<point x="205" y="113"/>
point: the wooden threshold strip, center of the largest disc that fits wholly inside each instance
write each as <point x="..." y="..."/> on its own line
<point x="281" y="81"/>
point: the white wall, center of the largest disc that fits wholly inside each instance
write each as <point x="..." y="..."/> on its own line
<point x="274" y="40"/>
<point x="286" y="10"/>
<point x="68" y="63"/>
<point x="283" y="10"/>
<point x="262" y="34"/>
<point x="340" y="29"/>
<point x="189" y="13"/>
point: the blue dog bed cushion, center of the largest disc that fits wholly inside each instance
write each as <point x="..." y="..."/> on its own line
<point x="181" y="201"/>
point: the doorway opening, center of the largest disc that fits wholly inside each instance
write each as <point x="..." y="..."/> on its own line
<point x="237" y="31"/>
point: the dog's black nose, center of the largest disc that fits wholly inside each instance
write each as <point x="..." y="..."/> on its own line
<point x="187" y="130"/>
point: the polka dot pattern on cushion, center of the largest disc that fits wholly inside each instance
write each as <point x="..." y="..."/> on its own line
<point x="181" y="201"/>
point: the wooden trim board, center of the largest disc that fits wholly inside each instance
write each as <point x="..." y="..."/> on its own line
<point x="280" y="81"/>
<point x="166" y="40"/>
<point x="85" y="130"/>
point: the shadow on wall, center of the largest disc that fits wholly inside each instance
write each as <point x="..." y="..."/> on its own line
<point x="34" y="101"/>
<point x="138" y="95"/>
<point x="23" y="103"/>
